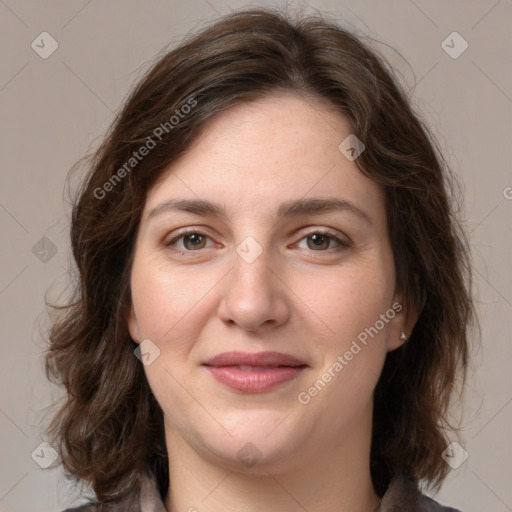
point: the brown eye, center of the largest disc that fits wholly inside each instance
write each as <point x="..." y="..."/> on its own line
<point x="195" y="241"/>
<point x="189" y="241"/>
<point x="318" y="241"/>
<point x="321" y="241"/>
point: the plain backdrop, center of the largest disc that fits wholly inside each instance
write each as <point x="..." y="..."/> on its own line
<point x="55" y="109"/>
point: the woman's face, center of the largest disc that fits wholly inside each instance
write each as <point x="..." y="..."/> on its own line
<point x="234" y="254"/>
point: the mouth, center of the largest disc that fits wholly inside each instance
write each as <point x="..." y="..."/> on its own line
<point x="254" y="373"/>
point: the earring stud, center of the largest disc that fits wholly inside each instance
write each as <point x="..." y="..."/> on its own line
<point x="403" y="336"/>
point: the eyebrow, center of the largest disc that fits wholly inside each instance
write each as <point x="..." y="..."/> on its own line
<point x="292" y="208"/>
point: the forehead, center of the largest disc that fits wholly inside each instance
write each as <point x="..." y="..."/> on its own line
<point x="259" y="154"/>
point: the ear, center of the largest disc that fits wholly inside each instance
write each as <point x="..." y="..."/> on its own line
<point x="406" y="316"/>
<point x="133" y="325"/>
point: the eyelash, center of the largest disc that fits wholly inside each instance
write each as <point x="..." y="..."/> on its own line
<point x="323" y="232"/>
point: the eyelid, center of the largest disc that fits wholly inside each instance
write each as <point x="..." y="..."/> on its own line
<point x="343" y="240"/>
<point x="302" y="234"/>
<point x="183" y="232"/>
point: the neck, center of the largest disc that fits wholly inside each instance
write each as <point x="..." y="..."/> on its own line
<point x="320" y="477"/>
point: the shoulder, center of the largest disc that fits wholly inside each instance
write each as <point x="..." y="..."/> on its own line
<point x="121" y="506"/>
<point x="427" y="504"/>
<point x="100" y="507"/>
<point x="403" y="494"/>
<point x="83" y="508"/>
<point x="93" y="507"/>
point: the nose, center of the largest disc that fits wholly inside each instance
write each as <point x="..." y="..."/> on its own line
<point x="255" y="296"/>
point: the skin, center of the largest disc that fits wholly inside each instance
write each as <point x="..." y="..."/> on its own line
<point x="295" y="297"/>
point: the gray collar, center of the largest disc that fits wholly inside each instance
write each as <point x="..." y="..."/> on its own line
<point x="402" y="495"/>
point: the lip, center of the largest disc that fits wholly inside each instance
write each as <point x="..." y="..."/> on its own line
<point x="254" y="359"/>
<point x="254" y="373"/>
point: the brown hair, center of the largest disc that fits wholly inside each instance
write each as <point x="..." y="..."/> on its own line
<point x="109" y="430"/>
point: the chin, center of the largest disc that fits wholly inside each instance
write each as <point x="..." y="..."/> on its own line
<point x="260" y="441"/>
<point x="246" y="456"/>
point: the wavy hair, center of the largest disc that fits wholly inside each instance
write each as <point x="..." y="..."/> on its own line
<point x="109" y="427"/>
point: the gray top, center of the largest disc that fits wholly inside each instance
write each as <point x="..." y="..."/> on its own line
<point x="402" y="495"/>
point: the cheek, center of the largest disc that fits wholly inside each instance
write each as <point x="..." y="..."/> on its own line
<point x="347" y="300"/>
<point x="168" y="311"/>
<point x="354" y="350"/>
<point x="165" y="300"/>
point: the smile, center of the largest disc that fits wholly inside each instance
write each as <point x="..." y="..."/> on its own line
<point x="250" y="379"/>
<point x="254" y="372"/>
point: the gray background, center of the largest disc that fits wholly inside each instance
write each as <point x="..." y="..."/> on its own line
<point x="54" y="110"/>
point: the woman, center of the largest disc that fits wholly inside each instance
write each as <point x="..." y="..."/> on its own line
<point x="273" y="302"/>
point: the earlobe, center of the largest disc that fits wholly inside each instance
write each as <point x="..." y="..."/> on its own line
<point x="397" y="338"/>
<point x="396" y="341"/>
<point x="402" y="325"/>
